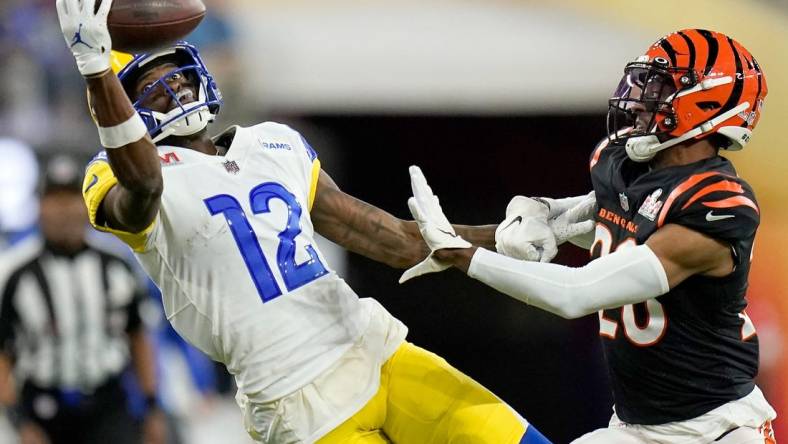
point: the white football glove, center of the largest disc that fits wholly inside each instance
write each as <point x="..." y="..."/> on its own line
<point x="433" y="225"/>
<point x="572" y="219"/>
<point x="525" y="233"/>
<point x="86" y="33"/>
<point x="534" y="228"/>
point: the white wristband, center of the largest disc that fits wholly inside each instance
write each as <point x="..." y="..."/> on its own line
<point x="124" y="133"/>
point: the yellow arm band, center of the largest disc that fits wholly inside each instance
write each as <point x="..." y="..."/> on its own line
<point x="99" y="179"/>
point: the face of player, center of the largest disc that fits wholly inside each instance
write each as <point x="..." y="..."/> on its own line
<point x="63" y="219"/>
<point x="641" y="94"/>
<point x="155" y="96"/>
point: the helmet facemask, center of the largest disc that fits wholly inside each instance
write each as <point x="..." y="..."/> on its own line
<point x="641" y="105"/>
<point x="186" y="118"/>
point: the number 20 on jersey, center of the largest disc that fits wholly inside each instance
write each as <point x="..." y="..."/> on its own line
<point x="656" y="321"/>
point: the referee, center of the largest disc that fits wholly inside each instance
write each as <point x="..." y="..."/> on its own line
<point x="69" y="328"/>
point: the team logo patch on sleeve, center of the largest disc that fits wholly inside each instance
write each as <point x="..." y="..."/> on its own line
<point x="652" y="205"/>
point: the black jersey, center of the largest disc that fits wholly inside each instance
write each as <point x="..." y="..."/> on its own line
<point x="692" y="349"/>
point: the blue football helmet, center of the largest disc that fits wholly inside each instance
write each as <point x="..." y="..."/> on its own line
<point x="186" y="118"/>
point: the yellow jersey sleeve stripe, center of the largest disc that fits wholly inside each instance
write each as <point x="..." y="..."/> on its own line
<point x="313" y="182"/>
<point x="99" y="179"/>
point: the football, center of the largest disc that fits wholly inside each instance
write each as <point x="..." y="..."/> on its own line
<point x="144" y="25"/>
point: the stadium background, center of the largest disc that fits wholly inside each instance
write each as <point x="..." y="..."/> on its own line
<point x="492" y="98"/>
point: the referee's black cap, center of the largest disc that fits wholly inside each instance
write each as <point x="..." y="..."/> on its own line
<point x="62" y="173"/>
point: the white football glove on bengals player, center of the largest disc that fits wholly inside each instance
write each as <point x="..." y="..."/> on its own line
<point x="433" y="225"/>
<point x="525" y="233"/>
<point x="86" y="33"/>
<point x="534" y="228"/>
<point x="572" y="219"/>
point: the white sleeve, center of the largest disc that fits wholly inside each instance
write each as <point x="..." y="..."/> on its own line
<point x="625" y="277"/>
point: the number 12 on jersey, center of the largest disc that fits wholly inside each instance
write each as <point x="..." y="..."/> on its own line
<point x="294" y="275"/>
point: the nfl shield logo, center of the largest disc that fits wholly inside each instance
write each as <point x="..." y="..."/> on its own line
<point x="231" y="167"/>
<point x="622" y="198"/>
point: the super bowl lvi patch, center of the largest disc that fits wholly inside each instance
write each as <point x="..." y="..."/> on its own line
<point x="651" y="205"/>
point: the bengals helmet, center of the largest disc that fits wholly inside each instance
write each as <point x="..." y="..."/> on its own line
<point x="186" y="118"/>
<point x="689" y="85"/>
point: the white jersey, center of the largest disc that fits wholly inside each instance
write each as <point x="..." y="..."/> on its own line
<point x="234" y="255"/>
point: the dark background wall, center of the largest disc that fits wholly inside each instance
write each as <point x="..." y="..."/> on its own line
<point x="549" y="369"/>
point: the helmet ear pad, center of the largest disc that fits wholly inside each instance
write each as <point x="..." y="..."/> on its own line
<point x="737" y="135"/>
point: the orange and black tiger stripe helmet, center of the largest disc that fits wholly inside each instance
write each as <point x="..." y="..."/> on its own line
<point x="717" y="88"/>
<point x="711" y="55"/>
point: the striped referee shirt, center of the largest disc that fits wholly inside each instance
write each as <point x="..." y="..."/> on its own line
<point x="64" y="318"/>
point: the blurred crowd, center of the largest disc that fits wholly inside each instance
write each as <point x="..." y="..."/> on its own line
<point x="46" y="138"/>
<point x="39" y="88"/>
<point x="42" y="96"/>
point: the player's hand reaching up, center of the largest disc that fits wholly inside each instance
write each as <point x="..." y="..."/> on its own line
<point x="86" y="33"/>
<point x="433" y="225"/>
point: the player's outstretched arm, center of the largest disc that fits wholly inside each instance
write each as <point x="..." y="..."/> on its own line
<point x="369" y="231"/>
<point x="363" y="228"/>
<point x="479" y="235"/>
<point x="133" y="203"/>
<point x="628" y="276"/>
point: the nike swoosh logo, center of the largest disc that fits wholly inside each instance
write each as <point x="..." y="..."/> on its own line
<point x="447" y="232"/>
<point x="93" y="181"/>
<point x="712" y="217"/>
<point x="518" y="219"/>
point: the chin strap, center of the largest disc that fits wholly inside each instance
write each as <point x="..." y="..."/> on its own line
<point x="644" y="148"/>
